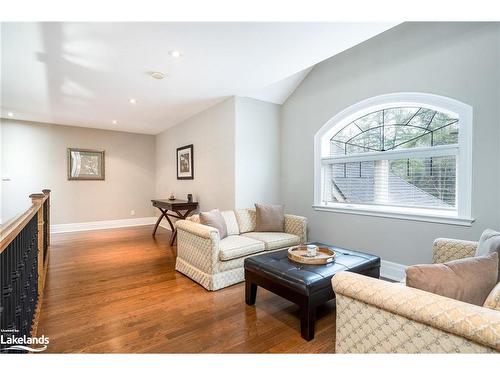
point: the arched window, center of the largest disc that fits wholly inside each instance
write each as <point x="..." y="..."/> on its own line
<point x="405" y="155"/>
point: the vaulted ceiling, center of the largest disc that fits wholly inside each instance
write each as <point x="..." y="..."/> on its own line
<point x="85" y="74"/>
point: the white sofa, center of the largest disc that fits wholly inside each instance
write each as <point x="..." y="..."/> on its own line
<point x="216" y="263"/>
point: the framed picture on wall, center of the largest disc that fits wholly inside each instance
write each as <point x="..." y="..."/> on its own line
<point x="85" y="164"/>
<point x="185" y="163"/>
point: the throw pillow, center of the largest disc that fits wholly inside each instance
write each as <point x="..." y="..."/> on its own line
<point x="469" y="280"/>
<point x="493" y="300"/>
<point x="214" y="219"/>
<point x="489" y="243"/>
<point x="269" y="218"/>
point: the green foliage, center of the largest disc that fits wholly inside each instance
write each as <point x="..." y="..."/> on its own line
<point x="396" y="128"/>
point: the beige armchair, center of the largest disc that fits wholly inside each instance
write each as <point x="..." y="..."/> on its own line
<point x="375" y="316"/>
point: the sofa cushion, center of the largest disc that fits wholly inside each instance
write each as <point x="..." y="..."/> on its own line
<point x="469" y="279"/>
<point x="246" y="220"/>
<point x="489" y="243"/>
<point x="233" y="247"/>
<point x="215" y="220"/>
<point x="269" y="218"/>
<point x="231" y="223"/>
<point x="274" y="240"/>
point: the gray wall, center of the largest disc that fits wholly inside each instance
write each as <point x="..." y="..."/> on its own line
<point x="458" y="60"/>
<point x="236" y="155"/>
<point x="34" y="157"/>
<point x="212" y="134"/>
<point x="257" y="152"/>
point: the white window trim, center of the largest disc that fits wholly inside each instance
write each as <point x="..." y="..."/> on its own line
<point x="453" y="107"/>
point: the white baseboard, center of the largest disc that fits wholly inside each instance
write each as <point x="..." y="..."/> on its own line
<point x="392" y="271"/>
<point x="105" y="224"/>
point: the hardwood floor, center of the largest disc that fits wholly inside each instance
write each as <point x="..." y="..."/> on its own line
<point x="116" y="291"/>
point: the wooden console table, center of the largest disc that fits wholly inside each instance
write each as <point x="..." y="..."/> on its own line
<point x="180" y="209"/>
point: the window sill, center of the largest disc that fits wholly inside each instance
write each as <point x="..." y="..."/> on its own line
<point x="396" y="214"/>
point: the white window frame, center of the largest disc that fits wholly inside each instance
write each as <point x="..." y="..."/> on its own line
<point x="463" y="153"/>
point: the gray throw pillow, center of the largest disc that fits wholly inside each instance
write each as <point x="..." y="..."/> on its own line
<point x="469" y="279"/>
<point x="489" y="243"/>
<point x="215" y="220"/>
<point x="269" y="218"/>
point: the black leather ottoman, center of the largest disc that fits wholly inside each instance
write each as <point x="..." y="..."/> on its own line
<point x="306" y="285"/>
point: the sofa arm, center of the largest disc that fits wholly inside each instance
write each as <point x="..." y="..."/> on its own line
<point x="477" y="324"/>
<point x="446" y="249"/>
<point x="196" y="229"/>
<point x="296" y="225"/>
<point x="198" y="245"/>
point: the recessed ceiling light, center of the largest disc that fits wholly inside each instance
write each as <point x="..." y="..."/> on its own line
<point x="10" y="114"/>
<point x="157" y="75"/>
<point x="114" y="122"/>
<point x="132" y="101"/>
<point x="175" y="54"/>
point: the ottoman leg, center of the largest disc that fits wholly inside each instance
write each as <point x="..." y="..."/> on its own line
<point x="307" y="321"/>
<point x="250" y="292"/>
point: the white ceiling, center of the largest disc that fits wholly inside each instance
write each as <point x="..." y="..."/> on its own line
<point x="83" y="74"/>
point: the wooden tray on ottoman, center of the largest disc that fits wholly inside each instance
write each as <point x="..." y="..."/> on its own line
<point x="324" y="255"/>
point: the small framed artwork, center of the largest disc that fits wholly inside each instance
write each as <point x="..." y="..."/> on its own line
<point x="85" y="164"/>
<point x="185" y="164"/>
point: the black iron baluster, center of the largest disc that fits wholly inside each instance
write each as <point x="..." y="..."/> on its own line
<point x="19" y="283"/>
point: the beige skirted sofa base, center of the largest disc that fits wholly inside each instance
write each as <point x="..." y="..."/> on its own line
<point x="375" y="316"/>
<point x="214" y="263"/>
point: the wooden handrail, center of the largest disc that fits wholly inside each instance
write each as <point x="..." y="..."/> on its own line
<point x="13" y="227"/>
